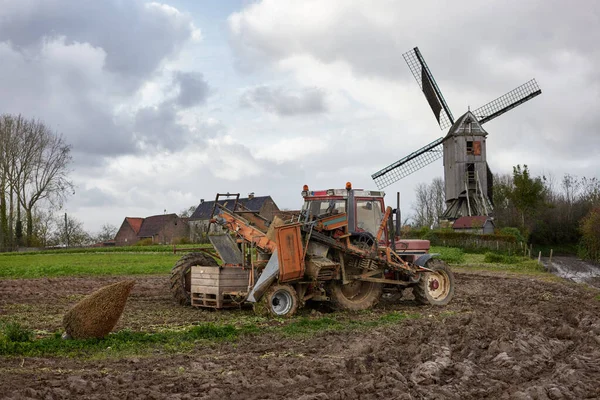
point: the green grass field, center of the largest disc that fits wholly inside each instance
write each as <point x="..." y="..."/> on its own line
<point x="136" y="260"/>
<point x="37" y="265"/>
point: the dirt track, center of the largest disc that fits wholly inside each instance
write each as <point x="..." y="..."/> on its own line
<point x="501" y="338"/>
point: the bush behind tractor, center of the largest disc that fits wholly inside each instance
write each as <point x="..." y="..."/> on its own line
<point x="339" y="248"/>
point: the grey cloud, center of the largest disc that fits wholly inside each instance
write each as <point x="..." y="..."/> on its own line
<point x="70" y="101"/>
<point x="284" y="102"/>
<point x="475" y="52"/>
<point x="158" y="126"/>
<point x="372" y="38"/>
<point x="93" y="197"/>
<point x="71" y="63"/>
<point x="136" y="36"/>
<point x="193" y="89"/>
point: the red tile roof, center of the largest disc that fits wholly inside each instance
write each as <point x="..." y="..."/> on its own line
<point x="135" y="223"/>
<point x="470" y="222"/>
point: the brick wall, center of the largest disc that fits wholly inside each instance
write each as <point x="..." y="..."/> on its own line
<point x="172" y="230"/>
<point x="268" y="208"/>
<point x="125" y="236"/>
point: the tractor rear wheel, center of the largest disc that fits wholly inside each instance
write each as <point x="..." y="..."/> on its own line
<point x="355" y="296"/>
<point x="279" y="300"/>
<point x="435" y="288"/>
<point x="181" y="275"/>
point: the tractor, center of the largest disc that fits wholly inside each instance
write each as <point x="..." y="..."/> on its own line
<point x="339" y="248"/>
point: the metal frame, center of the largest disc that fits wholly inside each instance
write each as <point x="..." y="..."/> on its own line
<point x="409" y="164"/>
<point x="418" y="66"/>
<point x="508" y="101"/>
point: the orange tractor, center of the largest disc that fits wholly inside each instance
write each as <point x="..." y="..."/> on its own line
<point x="338" y="248"/>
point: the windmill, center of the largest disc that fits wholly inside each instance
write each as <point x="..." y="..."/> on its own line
<point x="467" y="176"/>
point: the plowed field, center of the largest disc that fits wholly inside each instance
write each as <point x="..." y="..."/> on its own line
<point x="502" y="337"/>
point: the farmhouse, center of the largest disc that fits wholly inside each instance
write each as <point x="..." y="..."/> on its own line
<point x="161" y="229"/>
<point x="263" y="205"/>
<point x="475" y="224"/>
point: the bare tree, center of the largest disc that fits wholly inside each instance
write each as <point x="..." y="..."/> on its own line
<point x="107" y="232"/>
<point x="38" y="162"/>
<point x="43" y="225"/>
<point x="571" y="186"/>
<point x="439" y="197"/>
<point x="186" y="213"/>
<point x="430" y="203"/>
<point x="70" y="232"/>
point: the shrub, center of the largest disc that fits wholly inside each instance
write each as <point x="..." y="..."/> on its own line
<point x="452" y="255"/>
<point x="500" y="258"/>
<point x="14" y="332"/>
<point x="182" y="240"/>
<point x="145" y="242"/>
<point x="514" y="232"/>
<point x="590" y="235"/>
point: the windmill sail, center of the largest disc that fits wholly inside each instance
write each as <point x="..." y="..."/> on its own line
<point x="430" y="89"/>
<point x="510" y="100"/>
<point x="409" y="164"/>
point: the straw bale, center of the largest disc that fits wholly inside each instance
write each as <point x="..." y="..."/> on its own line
<point x="97" y="314"/>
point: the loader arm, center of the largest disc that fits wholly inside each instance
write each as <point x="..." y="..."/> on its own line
<point x="240" y="226"/>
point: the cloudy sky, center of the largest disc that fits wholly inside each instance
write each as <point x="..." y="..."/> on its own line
<point x="165" y="103"/>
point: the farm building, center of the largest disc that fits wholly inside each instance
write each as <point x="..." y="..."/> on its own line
<point x="128" y="232"/>
<point x="161" y="229"/>
<point x="263" y="205"/>
<point x="475" y="224"/>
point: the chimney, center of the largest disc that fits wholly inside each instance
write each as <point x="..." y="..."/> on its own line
<point x="201" y="201"/>
<point x="250" y="196"/>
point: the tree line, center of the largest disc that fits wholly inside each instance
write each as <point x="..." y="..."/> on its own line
<point x="34" y="168"/>
<point x="547" y="210"/>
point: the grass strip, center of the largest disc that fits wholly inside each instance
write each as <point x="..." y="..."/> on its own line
<point x="86" y="264"/>
<point x="119" y="249"/>
<point x="18" y="341"/>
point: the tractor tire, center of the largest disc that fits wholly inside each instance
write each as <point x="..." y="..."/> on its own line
<point x="355" y="296"/>
<point x="181" y="275"/>
<point x="280" y="301"/>
<point x="435" y="288"/>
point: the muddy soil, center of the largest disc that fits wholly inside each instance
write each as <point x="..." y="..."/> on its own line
<point x="500" y="338"/>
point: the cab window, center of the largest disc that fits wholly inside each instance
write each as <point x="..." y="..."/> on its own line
<point x="368" y="216"/>
<point x="325" y="207"/>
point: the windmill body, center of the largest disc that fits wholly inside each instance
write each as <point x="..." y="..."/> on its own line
<point x="467" y="177"/>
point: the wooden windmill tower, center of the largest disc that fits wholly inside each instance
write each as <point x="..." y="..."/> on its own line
<point x="467" y="176"/>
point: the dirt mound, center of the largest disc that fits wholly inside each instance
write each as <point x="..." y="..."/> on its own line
<point x="97" y="314"/>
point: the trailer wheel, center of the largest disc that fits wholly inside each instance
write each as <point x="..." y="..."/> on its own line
<point x="355" y="296"/>
<point x="181" y="275"/>
<point x="278" y="301"/>
<point x="435" y="288"/>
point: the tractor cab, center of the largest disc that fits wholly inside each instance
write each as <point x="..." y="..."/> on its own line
<point x="364" y="211"/>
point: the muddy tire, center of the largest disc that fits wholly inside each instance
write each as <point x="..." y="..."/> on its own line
<point x="181" y="279"/>
<point x="355" y="296"/>
<point x="280" y="301"/>
<point x="435" y="288"/>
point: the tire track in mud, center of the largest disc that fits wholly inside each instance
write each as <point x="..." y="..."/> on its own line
<point x="500" y="338"/>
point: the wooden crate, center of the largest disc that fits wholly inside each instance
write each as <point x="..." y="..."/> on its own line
<point x="211" y="286"/>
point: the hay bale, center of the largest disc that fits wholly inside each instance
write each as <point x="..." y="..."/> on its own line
<point x="97" y="314"/>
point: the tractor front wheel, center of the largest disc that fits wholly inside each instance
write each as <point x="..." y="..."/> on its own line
<point x="278" y="301"/>
<point x="181" y="275"/>
<point x="435" y="288"/>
